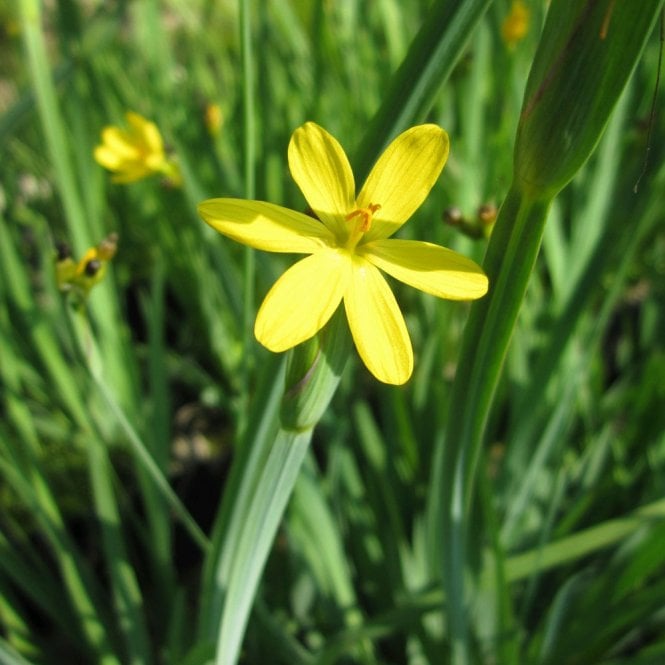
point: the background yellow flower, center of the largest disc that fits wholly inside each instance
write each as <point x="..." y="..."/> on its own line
<point x="136" y="152"/>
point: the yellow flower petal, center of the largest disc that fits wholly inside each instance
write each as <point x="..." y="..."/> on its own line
<point x="265" y="226"/>
<point x="428" y="267"/>
<point x="403" y="177"/>
<point x="108" y="158"/>
<point x="91" y="254"/>
<point x="119" y="141"/>
<point x="146" y="132"/>
<point x="321" y="169"/>
<point x="303" y="299"/>
<point x="130" y="172"/>
<point x="377" y="325"/>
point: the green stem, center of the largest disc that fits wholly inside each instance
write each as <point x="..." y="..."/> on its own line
<point x="152" y="469"/>
<point x="511" y="255"/>
<point x="249" y="155"/>
<point x="274" y="487"/>
<point x="261" y="483"/>
<point x="90" y="351"/>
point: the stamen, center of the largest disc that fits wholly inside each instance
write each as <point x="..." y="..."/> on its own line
<point x="366" y="214"/>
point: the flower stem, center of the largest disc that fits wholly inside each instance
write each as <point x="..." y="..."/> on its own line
<point x="261" y="483"/>
<point x="510" y="258"/>
<point x="249" y="156"/>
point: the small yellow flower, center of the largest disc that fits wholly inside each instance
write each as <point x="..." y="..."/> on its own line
<point x="516" y="24"/>
<point x="350" y="245"/>
<point x="136" y="152"/>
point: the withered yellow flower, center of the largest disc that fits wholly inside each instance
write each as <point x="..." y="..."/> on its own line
<point x="81" y="276"/>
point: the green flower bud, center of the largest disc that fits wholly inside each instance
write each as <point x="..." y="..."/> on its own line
<point x="313" y="373"/>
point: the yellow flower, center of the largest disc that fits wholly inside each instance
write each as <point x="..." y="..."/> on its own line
<point x="135" y="153"/>
<point x="350" y="245"/>
<point x="516" y="24"/>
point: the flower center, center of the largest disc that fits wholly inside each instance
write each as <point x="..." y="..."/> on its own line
<point x="363" y="224"/>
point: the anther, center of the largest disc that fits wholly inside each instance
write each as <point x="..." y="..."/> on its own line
<point x="366" y="214"/>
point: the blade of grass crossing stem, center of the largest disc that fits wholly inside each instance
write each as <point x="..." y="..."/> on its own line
<point x="524" y="566"/>
<point x="152" y="469"/>
<point x="91" y="353"/>
<point x="542" y="168"/>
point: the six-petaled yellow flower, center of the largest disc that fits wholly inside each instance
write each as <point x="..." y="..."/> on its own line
<point x="136" y="152"/>
<point x="350" y="245"/>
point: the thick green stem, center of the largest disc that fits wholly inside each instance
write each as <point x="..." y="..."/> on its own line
<point x="261" y="484"/>
<point x="510" y="258"/>
<point x="586" y="54"/>
<point x="256" y="530"/>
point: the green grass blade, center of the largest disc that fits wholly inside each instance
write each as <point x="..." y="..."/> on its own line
<point x="9" y="657"/>
<point x="52" y="123"/>
<point x="125" y="589"/>
<point x="413" y="88"/>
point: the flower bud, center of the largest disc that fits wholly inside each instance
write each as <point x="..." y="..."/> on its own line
<point x="313" y="373"/>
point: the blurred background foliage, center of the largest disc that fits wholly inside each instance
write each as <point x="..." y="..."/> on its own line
<point x="122" y="411"/>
